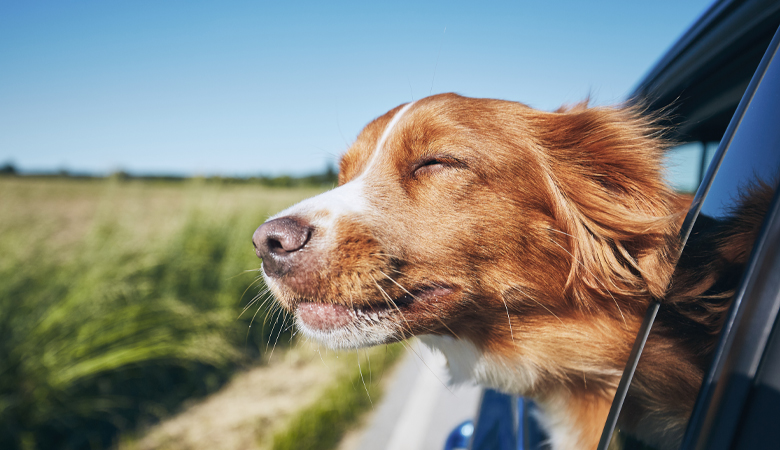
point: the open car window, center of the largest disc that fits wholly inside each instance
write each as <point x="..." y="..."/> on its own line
<point x="741" y="181"/>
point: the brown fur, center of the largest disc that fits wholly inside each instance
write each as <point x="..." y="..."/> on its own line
<point x="538" y="237"/>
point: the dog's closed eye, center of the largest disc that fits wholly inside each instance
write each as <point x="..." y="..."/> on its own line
<point x="435" y="164"/>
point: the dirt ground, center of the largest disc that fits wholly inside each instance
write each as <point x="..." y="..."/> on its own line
<point x="244" y="414"/>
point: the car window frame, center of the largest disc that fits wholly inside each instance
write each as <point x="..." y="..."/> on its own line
<point x="716" y="367"/>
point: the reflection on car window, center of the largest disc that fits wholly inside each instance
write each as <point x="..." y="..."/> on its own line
<point x="684" y="336"/>
<point x="696" y="306"/>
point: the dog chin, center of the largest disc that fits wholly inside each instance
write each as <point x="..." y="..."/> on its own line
<point x="351" y="336"/>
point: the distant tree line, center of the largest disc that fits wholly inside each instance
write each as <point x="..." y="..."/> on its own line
<point x="8" y="169"/>
<point x="328" y="177"/>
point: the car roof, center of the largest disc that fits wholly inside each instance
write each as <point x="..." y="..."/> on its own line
<point x="703" y="76"/>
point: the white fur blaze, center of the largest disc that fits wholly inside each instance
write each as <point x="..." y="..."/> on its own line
<point x="323" y="210"/>
<point x="351" y="198"/>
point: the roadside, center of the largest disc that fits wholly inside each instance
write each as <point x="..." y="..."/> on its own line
<point x="245" y="413"/>
<point x="418" y="410"/>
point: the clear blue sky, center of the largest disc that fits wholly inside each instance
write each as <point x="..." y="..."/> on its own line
<point x="248" y="87"/>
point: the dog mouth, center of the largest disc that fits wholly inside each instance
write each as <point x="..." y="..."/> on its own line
<point x="412" y="306"/>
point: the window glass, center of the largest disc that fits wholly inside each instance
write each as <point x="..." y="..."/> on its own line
<point x="708" y="273"/>
<point x="683" y="167"/>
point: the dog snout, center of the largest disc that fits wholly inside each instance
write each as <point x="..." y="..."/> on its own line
<point x="279" y="243"/>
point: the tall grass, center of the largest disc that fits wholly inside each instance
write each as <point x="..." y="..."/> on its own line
<point x="120" y="300"/>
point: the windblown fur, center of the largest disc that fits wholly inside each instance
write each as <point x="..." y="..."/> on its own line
<point x="525" y="245"/>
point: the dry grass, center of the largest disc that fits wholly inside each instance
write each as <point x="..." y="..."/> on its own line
<point x="62" y="212"/>
<point x="266" y="405"/>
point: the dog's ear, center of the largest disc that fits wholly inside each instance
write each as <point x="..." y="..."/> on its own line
<point x="607" y="192"/>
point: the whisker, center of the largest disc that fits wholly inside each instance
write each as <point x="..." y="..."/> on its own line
<point x="562" y="232"/>
<point x="245" y="271"/>
<point x="508" y="318"/>
<point x="398" y="309"/>
<point x="284" y="320"/>
<point x="321" y="358"/>
<point x="437" y="60"/>
<point x="391" y="303"/>
<point x="360" y="369"/>
<point x="409" y="347"/>
<point x="275" y="307"/>
<point x="249" y="328"/>
<point x="254" y="300"/>
<point x="277" y="314"/>
<point x="268" y="311"/>
<point x="368" y="358"/>
<point x="251" y="302"/>
<point x="518" y="289"/>
<point x="248" y="287"/>
<point x="412" y="295"/>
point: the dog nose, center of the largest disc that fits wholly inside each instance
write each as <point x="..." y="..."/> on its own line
<point x="277" y="241"/>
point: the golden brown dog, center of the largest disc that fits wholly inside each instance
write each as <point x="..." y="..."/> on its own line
<point x="524" y="245"/>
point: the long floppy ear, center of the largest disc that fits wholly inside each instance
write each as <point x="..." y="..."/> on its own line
<point x="608" y="194"/>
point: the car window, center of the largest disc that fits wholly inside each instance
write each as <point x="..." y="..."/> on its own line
<point x="737" y="198"/>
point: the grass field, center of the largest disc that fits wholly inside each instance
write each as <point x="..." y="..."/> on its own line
<point x="119" y="299"/>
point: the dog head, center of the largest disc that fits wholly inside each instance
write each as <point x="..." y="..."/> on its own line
<point x="483" y="220"/>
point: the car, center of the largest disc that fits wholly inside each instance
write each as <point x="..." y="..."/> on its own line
<point x="722" y="81"/>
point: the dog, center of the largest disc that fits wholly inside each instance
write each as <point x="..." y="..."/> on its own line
<point x="524" y="245"/>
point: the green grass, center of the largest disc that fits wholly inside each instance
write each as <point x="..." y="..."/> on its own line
<point x="118" y="300"/>
<point x="322" y="425"/>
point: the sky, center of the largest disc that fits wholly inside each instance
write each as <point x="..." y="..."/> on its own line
<point x="241" y="88"/>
